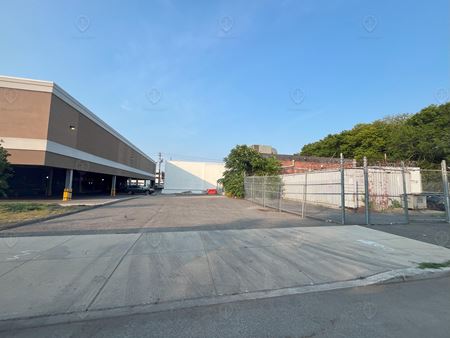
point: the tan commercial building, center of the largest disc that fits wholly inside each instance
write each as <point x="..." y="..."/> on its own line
<point x="57" y="145"/>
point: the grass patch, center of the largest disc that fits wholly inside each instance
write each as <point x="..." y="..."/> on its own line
<point x="14" y="212"/>
<point x="429" y="265"/>
<point x="23" y="207"/>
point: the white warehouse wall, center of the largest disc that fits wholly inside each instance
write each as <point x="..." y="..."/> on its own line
<point x="183" y="176"/>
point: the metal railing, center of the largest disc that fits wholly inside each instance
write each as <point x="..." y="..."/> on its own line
<point x="359" y="195"/>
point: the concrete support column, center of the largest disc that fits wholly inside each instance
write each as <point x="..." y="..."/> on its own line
<point x="113" y="186"/>
<point x="67" y="195"/>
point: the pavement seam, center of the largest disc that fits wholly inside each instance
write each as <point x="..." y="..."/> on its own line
<point x="57" y="245"/>
<point x="313" y="282"/>
<point x="112" y="272"/>
<point x="209" y="265"/>
<point x="12" y="269"/>
<point x="33" y="258"/>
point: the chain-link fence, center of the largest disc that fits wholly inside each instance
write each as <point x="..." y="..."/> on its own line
<point x="429" y="204"/>
<point x="367" y="195"/>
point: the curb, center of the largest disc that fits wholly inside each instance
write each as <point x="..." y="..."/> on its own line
<point x="47" y="218"/>
<point x="409" y="274"/>
<point x="388" y="277"/>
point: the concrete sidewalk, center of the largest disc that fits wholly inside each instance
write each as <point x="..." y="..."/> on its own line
<point x="54" y="275"/>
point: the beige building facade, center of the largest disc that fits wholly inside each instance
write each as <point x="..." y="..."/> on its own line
<point x="45" y="130"/>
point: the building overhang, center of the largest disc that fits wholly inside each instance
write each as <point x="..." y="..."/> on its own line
<point x="79" y="157"/>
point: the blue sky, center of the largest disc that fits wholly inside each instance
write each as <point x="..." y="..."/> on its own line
<point x="194" y="78"/>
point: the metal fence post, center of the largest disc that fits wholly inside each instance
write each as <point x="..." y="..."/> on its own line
<point x="264" y="191"/>
<point x="253" y="190"/>
<point x="252" y="195"/>
<point x="366" y="191"/>
<point x="342" y="190"/>
<point x="245" y="180"/>
<point x="279" y="196"/>
<point x="245" y="189"/>
<point x="304" y="194"/>
<point x="405" y="194"/>
<point x="446" y="193"/>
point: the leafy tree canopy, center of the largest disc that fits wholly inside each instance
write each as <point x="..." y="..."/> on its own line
<point x="423" y="137"/>
<point x="245" y="161"/>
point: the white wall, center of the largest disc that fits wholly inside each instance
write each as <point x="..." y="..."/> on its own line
<point x="183" y="176"/>
<point x="323" y="187"/>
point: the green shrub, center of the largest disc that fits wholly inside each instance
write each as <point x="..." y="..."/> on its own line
<point x="395" y="204"/>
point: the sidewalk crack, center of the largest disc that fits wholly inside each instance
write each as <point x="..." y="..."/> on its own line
<point x="209" y="265"/>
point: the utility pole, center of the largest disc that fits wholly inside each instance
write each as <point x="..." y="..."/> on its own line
<point x="159" y="169"/>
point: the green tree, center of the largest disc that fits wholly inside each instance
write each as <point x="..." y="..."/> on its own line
<point x="423" y="137"/>
<point x="5" y="171"/>
<point x="245" y="161"/>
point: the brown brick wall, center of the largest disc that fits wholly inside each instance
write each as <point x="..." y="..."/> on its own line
<point x="298" y="166"/>
<point x="24" y="113"/>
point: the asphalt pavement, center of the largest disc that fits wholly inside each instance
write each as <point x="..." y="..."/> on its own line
<point x="414" y="309"/>
<point x="165" y="213"/>
<point x="437" y="233"/>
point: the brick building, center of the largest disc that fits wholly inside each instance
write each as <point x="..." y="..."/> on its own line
<point x="58" y="147"/>
<point x="292" y="164"/>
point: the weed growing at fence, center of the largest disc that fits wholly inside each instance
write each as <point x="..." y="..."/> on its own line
<point x="429" y="265"/>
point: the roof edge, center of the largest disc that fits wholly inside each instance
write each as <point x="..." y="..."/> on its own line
<point x="52" y="87"/>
